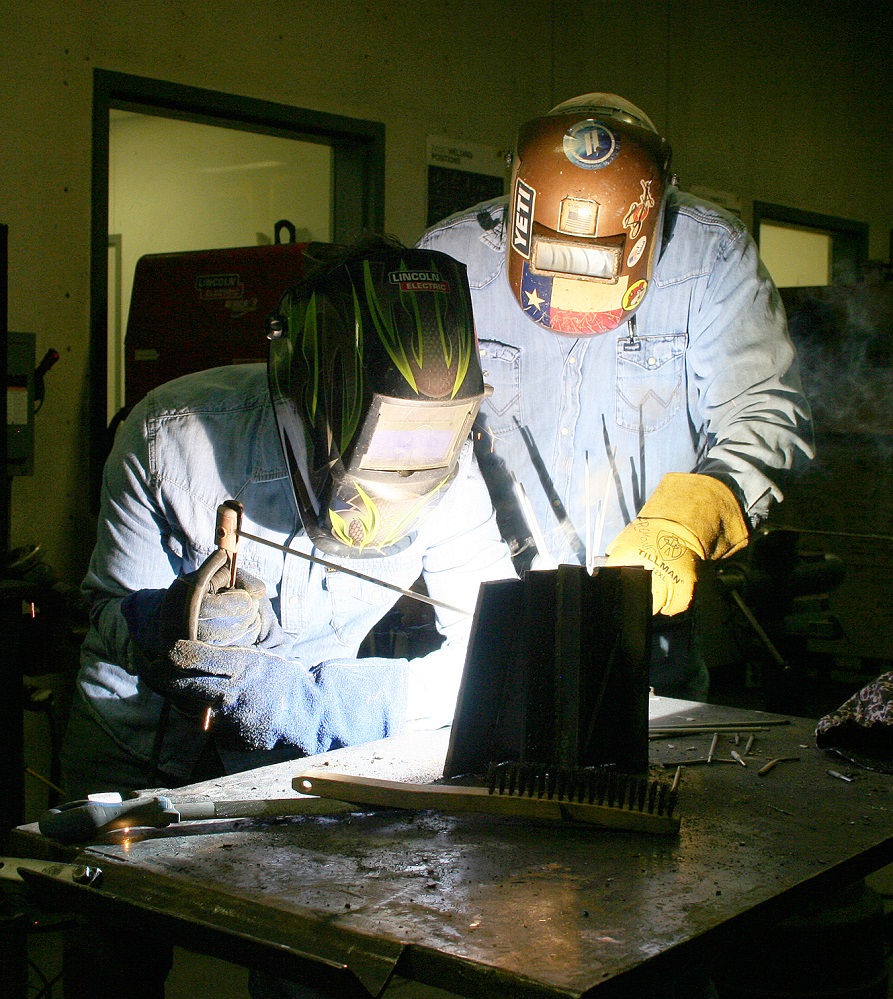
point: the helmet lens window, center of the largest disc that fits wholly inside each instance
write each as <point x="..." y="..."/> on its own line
<point x="402" y="440"/>
<point x="576" y="259"/>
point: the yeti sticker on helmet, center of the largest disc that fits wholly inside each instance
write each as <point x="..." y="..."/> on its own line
<point x="522" y="229"/>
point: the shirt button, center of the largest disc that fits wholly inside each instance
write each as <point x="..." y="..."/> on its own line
<point x="293" y="601"/>
<point x="572" y="359"/>
<point x="652" y="361"/>
<point x="564" y="431"/>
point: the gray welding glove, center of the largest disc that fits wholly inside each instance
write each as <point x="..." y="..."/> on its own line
<point x="226" y="615"/>
<point x="232" y="616"/>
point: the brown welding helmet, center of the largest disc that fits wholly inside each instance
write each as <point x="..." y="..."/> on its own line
<point x="588" y="190"/>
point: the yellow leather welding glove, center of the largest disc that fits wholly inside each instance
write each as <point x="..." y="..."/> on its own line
<point x="688" y="519"/>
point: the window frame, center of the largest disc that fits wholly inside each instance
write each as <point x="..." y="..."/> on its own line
<point x="849" y="238"/>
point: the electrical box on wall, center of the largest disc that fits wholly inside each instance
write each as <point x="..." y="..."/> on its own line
<point x="20" y="360"/>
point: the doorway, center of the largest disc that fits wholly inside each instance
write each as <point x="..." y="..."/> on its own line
<point x="178" y="185"/>
<point x="180" y="168"/>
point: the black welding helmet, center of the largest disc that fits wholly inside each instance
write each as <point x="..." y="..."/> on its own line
<point x="376" y="381"/>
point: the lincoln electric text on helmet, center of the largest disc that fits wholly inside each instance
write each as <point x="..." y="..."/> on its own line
<point x="587" y="202"/>
<point x="375" y="377"/>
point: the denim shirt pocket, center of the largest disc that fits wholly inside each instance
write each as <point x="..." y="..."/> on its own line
<point x="358" y="604"/>
<point x="650" y="376"/>
<point x="501" y="366"/>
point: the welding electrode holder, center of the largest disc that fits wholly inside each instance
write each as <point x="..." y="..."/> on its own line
<point x="226" y="534"/>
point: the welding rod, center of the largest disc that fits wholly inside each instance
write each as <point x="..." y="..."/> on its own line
<point x="422" y="597"/>
<point x="840" y="534"/>
<point x="774" y="763"/>
<point x="667" y="731"/>
<point x="545" y="560"/>
<point x="603" y="507"/>
<point x="760" y="631"/>
<point x="588" y="504"/>
<point x="695" y="762"/>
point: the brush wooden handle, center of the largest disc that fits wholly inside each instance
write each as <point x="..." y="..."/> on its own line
<point x="454" y="800"/>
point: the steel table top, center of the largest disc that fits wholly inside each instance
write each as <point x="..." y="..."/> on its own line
<point x="486" y="906"/>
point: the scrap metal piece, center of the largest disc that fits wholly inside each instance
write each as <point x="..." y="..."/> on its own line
<point x="557" y="671"/>
<point x="840" y="776"/>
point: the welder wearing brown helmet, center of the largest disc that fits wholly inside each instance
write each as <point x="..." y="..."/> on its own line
<point x="647" y="406"/>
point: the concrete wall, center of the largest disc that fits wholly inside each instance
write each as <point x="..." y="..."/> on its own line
<point x="769" y="100"/>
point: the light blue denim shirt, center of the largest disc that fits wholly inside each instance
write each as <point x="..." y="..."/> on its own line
<point x="707" y="381"/>
<point x="212" y="436"/>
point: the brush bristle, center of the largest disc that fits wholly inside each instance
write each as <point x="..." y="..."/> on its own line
<point x="584" y="785"/>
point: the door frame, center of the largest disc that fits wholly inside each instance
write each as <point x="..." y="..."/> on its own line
<point x="357" y="188"/>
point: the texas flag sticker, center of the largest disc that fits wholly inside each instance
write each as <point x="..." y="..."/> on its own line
<point x="568" y="306"/>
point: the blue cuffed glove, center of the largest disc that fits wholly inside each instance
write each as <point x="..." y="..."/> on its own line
<point x="261" y="698"/>
<point x="246" y="668"/>
<point x="240" y="618"/>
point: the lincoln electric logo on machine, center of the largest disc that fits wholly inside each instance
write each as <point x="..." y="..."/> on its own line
<point x="227" y="288"/>
<point x="419" y="281"/>
<point x="219" y="286"/>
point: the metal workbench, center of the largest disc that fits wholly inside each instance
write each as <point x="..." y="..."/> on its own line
<point x="486" y="906"/>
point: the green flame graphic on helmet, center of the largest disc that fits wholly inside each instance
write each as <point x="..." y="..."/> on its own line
<point x="374" y="370"/>
<point x="369" y="520"/>
<point x="389" y="333"/>
<point x="325" y="380"/>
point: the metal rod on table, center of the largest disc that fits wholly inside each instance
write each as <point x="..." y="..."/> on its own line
<point x="422" y="597"/>
<point x="657" y="731"/>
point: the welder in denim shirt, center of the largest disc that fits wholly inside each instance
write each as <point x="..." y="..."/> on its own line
<point x="647" y="404"/>
<point x="352" y="445"/>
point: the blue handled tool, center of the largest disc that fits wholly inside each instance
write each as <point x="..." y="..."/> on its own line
<point x="83" y="820"/>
